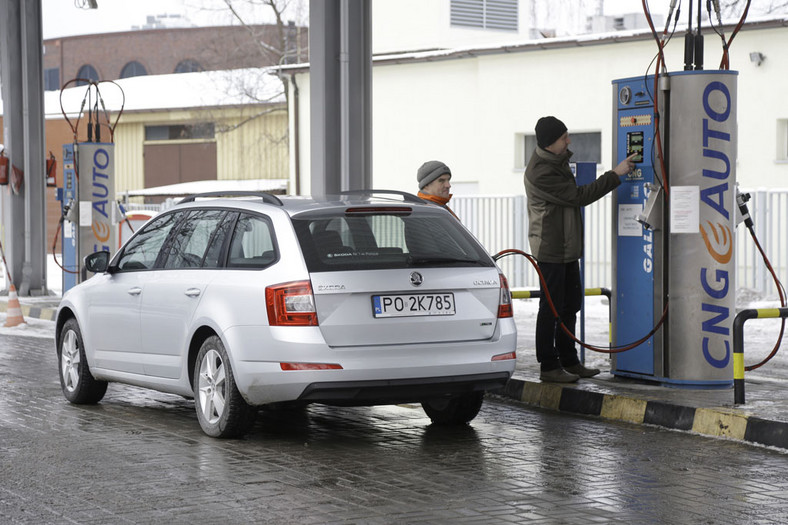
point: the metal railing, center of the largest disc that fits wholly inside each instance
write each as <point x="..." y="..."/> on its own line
<point x="501" y="222"/>
<point x="738" y="344"/>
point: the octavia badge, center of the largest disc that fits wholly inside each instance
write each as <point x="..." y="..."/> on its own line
<point x="416" y="279"/>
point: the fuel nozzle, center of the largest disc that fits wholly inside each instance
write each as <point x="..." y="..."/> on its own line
<point x="71" y="211"/>
<point x="744" y="213"/>
<point x="651" y="218"/>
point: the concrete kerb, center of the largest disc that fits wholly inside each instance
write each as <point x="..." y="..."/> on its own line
<point x="43" y="311"/>
<point x="723" y="422"/>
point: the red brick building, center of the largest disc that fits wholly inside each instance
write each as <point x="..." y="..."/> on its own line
<point x="110" y="56"/>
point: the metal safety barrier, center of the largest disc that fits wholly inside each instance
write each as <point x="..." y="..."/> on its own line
<point x="738" y="344"/>
<point x="536" y="294"/>
<point x="501" y="221"/>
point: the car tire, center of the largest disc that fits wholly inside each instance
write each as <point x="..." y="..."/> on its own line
<point x="454" y="410"/>
<point x="221" y="410"/>
<point x="78" y="384"/>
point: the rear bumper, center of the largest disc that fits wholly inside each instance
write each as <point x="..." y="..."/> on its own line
<point x="369" y="375"/>
<point x="400" y="390"/>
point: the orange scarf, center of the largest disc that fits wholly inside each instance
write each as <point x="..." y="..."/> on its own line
<point x="440" y="201"/>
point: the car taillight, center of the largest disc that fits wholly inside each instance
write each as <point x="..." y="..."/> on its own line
<point x="505" y="301"/>
<point x="291" y="304"/>
<point x="504" y="357"/>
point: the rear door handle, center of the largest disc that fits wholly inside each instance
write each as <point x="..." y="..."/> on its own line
<point x="192" y="292"/>
<point x="134" y="291"/>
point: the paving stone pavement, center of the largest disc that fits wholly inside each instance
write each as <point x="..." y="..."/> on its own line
<point x="763" y="419"/>
<point x="140" y="457"/>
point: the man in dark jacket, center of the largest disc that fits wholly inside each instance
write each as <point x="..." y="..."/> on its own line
<point x="555" y="233"/>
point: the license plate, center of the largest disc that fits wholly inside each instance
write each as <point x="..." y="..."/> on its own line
<point x="413" y="305"/>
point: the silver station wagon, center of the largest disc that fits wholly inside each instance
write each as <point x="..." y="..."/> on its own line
<point x="242" y="300"/>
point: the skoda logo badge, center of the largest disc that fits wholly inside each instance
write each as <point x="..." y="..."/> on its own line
<point x="416" y="279"/>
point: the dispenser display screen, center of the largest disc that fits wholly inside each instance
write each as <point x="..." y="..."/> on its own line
<point x="635" y="145"/>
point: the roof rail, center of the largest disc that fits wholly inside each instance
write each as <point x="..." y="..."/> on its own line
<point x="407" y="197"/>
<point x="267" y="197"/>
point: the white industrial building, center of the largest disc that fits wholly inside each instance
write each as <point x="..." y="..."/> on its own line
<point x="474" y="107"/>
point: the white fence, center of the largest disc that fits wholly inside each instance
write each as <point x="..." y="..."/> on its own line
<point x="501" y="222"/>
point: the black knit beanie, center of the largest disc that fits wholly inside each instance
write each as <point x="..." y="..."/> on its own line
<point x="548" y="130"/>
<point x="429" y="171"/>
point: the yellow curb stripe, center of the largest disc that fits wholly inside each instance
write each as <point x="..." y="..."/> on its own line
<point x="623" y="408"/>
<point x="718" y="423"/>
<point x="551" y="396"/>
<point x="45" y="313"/>
<point x="531" y="393"/>
<point x="542" y="395"/>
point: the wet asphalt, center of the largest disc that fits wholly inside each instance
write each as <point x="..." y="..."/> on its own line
<point x="140" y="457"/>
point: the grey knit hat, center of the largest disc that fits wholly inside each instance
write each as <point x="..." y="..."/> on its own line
<point x="548" y="130"/>
<point x="429" y="171"/>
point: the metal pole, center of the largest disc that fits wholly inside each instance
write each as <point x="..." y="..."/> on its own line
<point x="340" y="40"/>
<point x="356" y="94"/>
<point x="13" y="210"/>
<point x="738" y="354"/>
<point x="738" y="344"/>
<point x="34" y="264"/>
<point x="325" y="101"/>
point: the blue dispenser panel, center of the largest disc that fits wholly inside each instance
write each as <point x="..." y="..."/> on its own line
<point x="69" y="233"/>
<point x="634" y="277"/>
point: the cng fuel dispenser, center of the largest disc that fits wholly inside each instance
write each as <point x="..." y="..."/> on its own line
<point x="87" y="199"/>
<point x="90" y="213"/>
<point x="674" y="223"/>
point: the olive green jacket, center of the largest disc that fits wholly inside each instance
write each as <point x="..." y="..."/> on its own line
<point x="555" y="226"/>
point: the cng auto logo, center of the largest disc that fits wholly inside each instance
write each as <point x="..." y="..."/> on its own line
<point x="100" y="230"/>
<point x="101" y="225"/>
<point x="718" y="238"/>
<point x="721" y="246"/>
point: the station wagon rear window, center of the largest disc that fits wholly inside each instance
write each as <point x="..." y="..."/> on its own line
<point x="385" y="239"/>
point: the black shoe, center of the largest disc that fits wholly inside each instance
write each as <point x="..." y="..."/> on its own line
<point x="558" y="375"/>
<point x="582" y="371"/>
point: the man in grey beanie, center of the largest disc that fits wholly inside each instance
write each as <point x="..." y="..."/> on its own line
<point x="433" y="177"/>
<point x="555" y="233"/>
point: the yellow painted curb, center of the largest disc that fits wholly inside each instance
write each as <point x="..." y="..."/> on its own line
<point x="718" y="423"/>
<point x="551" y="396"/>
<point x="532" y="393"/>
<point x="623" y="408"/>
<point x="46" y="313"/>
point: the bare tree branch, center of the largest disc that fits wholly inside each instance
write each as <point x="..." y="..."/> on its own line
<point x="247" y="120"/>
<point x="731" y="8"/>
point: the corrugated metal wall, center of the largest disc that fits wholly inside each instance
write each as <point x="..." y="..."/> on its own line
<point x="251" y="143"/>
<point x="257" y="149"/>
<point x="129" y="162"/>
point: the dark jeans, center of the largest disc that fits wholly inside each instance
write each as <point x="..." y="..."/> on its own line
<point x="554" y="348"/>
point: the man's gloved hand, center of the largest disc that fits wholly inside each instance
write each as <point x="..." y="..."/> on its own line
<point x="625" y="167"/>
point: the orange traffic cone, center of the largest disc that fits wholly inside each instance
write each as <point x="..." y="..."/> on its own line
<point x="14" y="312"/>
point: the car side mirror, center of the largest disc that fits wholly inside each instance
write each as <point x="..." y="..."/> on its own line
<point x="97" y="262"/>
